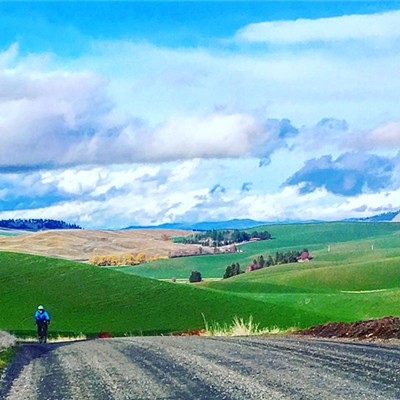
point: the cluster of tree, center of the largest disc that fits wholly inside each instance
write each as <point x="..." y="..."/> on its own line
<point x="261" y="262"/>
<point x="232" y="270"/>
<point x="195" y="276"/>
<point x="125" y="259"/>
<point x="217" y="238"/>
<point x="36" y="224"/>
<point x="279" y="258"/>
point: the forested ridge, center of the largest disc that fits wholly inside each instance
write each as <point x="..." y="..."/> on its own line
<point x="36" y="224"/>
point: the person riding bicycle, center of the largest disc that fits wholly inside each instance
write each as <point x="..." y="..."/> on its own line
<point x="42" y="319"/>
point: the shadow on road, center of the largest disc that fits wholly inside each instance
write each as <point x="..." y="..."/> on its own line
<point x="26" y="352"/>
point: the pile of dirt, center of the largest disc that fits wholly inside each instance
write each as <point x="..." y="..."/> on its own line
<point x="383" y="328"/>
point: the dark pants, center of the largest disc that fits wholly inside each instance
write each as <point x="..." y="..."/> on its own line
<point x="42" y="331"/>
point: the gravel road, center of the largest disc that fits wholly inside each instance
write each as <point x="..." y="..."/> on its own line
<point x="203" y="368"/>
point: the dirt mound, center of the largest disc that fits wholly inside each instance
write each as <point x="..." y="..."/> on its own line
<point x="383" y="328"/>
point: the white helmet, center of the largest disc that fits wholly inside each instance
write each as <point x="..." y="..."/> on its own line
<point x="40" y="308"/>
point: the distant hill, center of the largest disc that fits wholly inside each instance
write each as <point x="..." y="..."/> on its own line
<point x="210" y="225"/>
<point x="384" y="217"/>
<point x="36" y="224"/>
<point x="205" y="226"/>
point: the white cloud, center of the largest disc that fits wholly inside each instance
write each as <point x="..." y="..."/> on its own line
<point x="384" y="137"/>
<point x="65" y="117"/>
<point x="348" y="27"/>
<point x="122" y="104"/>
<point x="74" y="181"/>
<point x="185" y="203"/>
<point x="127" y="103"/>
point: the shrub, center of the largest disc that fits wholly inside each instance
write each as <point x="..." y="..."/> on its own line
<point x="194" y="277"/>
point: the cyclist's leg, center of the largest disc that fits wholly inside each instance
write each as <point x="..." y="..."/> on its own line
<point x="39" y="332"/>
<point x="45" y="333"/>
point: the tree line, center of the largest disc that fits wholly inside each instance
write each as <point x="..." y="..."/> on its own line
<point x="216" y="238"/>
<point x="115" y="260"/>
<point x="261" y="262"/>
<point x="36" y="224"/>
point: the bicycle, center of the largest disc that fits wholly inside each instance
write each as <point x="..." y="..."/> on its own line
<point x="42" y="331"/>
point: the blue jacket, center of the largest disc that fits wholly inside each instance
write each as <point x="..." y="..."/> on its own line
<point x="40" y="317"/>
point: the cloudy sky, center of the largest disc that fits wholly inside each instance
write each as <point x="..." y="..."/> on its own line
<point x="124" y="113"/>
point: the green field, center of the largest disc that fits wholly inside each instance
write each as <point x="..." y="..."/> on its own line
<point x="88" y="299"/>
<point x="358" y="277"/>
<point x="315" y="237"/>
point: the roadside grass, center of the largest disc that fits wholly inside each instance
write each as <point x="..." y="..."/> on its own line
<point x="85" y="299"/>
<point x="7" y="348"/>
<point x="52" y="338"/>
<point x="240" y="327"/>
<point x="6" y="356"/>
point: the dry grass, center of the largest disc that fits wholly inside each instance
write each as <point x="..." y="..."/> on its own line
<point x="239" y="327"/>
<point x="58" y="339"/>
<point x="6" y="340"/>
<point x="80" y="245"/>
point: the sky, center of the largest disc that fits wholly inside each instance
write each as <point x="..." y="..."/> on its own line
<point x="140" y="113"/>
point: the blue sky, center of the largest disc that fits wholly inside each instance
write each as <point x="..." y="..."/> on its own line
<point x="122" y="113"/>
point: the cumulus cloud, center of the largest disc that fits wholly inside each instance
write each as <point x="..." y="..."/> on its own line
<point x="132" y="195"/>
<point x="347" y="27"/>
<point x="50" y="119"/>
<point x="292" y="204"/>
<point x="350" y="174"/>
<point x="384" y="137"/>
<point x="57" y="113"/>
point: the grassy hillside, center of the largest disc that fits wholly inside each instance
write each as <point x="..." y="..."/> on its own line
<point x="87" y="299"/>
<point x="346" y="285"/>
<point x="316" y="237"/>
<point x="358" y="278"/>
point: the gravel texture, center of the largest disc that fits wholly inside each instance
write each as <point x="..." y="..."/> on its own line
<point x="204" y="368"/>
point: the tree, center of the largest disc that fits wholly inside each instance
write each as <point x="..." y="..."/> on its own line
<point x="194" y="277"/>
<point x="140" y="258"/>
<point x="228" y="272"/>
<point x="128" y="259"/>
<point x="232" y="270"/>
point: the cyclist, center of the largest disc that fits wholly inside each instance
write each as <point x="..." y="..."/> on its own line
<point x="42" y="319"/>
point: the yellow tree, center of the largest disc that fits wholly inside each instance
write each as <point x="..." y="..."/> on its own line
<point x="140" y="258"/>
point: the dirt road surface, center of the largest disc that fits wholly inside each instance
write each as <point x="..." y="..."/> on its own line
<point x="204" y="368"/>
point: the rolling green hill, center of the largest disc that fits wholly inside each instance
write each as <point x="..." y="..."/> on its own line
<point x="351" y="282"/>
<point x="315" y="237"/>
<point x="342" y="292"/>
<point x="88" y="299"/>
<point x="357" y="277"/>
